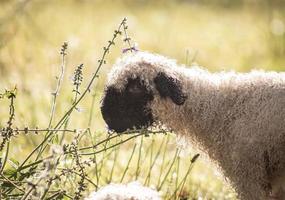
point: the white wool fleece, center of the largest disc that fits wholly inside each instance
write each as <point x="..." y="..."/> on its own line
<point x="131" y="191"/>
<point x="237" y="119"/>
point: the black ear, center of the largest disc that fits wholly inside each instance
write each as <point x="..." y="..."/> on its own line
<point x="169" y="87"/>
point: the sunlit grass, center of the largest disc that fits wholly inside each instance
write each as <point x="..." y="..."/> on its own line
<point x="239" y="38"/>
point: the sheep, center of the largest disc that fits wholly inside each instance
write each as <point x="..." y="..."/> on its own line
<point x="130" y="191"/>
<point x="236" y="119"/>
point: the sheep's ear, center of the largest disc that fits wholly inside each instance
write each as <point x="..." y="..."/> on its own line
<point x="169" y="87"/>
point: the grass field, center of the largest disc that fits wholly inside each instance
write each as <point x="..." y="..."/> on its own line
<point x="241" y="37"/>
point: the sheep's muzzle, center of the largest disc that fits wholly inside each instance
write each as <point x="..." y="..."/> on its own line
<point x="128" y="108"/>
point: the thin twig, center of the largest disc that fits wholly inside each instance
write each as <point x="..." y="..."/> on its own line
<point x="57" y="89"/>
<point x="112" y="146"/>
<point x="153" y="163"/>
<point x="12" y="183"/>
<point x="128" y="164"/>
<point x="86" y="178"/>
<point x="181" y="184"/>
<point x="59" y="82"/>
<point x="163" y="160"/>
<point x="139" y="159"/>
<point x="114" y="164"/>
<point x="169" y="169"/>
<point x="44" y="130"/>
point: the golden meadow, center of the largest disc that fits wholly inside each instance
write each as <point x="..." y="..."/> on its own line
<point x="218" y="35"/>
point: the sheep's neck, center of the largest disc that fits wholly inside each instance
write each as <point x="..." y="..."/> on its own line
<point x="203" y="119"/>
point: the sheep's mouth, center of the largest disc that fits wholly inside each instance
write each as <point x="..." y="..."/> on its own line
<point x="127" y="109"/>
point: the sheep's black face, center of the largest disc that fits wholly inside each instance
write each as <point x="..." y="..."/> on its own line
<point x="127" y="109"/>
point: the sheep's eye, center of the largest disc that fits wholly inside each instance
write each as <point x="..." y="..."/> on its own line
<point x="134" y="89"/>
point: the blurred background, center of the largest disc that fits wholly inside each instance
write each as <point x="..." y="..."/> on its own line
<point x="219" y="35"/>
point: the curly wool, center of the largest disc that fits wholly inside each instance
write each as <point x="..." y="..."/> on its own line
<point x="237" y="119"/>
<point x="131" y="191"/>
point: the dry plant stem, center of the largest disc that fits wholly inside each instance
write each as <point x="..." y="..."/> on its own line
<point x="94" y="160"/>
<point x="193" y="160"/>
<point x="148" y="150"/>
<point x="44" y="130"/>
<point x="128" y="164"/>
<point x="163" y="160"/>
<point x="101" y="62"/>
<point x="54" y="196"/>
<point x="181" y="184"/>
<point x="96" y="172"/>
<point x="103" y="159"/>
<point x="57" y="89"/>
<point x="59" y="83"/>
<point x="12" y="183"/>
<point x="77" y="80"/>
<point x="67" y="167"/>
<point x="55" y="132"/>
<point x="99" y="143"/>
<point x="105" y="156"/>
<point x="144" y="131"/>
<point x="81" y="168"/>
<point x="168" y="186"/>
<point x="101" y="163"/>
<point x="9" y="129"/>
<point x="112" y="146"/>
<point x="91" y="110"/>
<point x="169" y="169"/>
<point x="50" y="180"/>
<point x="127" y="38"/>
<point x="114" y="163"/>
<point x="71" y="182"/>
<point x="134" y="136"/>
<point x="177" y="177"/>
<point x="27" y="194"/>
<point x="64" y="132"/>
<point x="68" y="196"/>
<point x="63" y="135"/>
<point x="153" y="163"/>
<point x="86" y="178"/>
<point x="93" y="144"/>
<point x="15" y="181"/>
<point x="33" y="164"/>
<point x="95" y="156"/>
<point x="150" y="161"/>
<point x="6" y="157"/>
<point x="139" y="159"/>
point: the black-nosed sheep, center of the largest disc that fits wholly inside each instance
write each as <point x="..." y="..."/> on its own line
<point x="238" y="119"/>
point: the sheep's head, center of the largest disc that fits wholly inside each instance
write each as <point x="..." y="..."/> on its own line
<point x="127" y="109"/>
<point x="130" y="92"/>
